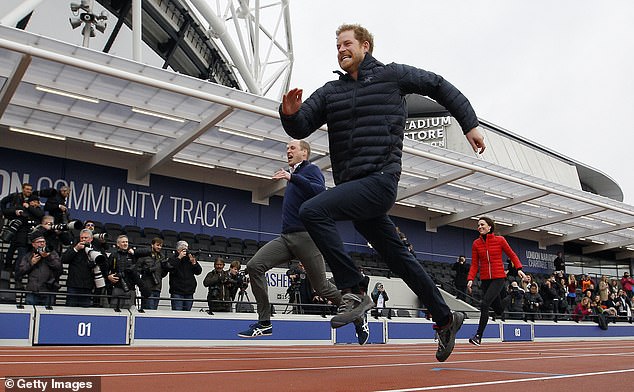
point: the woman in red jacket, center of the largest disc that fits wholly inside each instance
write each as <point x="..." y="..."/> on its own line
<point x="486" y="256"/>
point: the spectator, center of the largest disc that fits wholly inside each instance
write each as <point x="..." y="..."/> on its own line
<point x="562" y="291"/>
<point x="604" y="288"/>
<point x="548" y="292"/>
<point x="218" y="283"/>
<point x="380" y="298"/>
<point x="582" y="310"/>
<point x="23" y="212"/>
<point x="526" y="283"/>
<point x="515" y="301"/>
<point x="461" y="268"/>
<point x="609" y="307"/>
<point x="587" y="284"/>
<point x="533" y="303"/>
<point x="614" y="286"/>
<point x="560" y="264"/>
<point x="56" y="206"/>
<point x="182" y="268"/>
<point x="152" y="274"/>
<point x="572" y="291"/>
<point x="122" y="275"/>
<point x="56" y="202"/>
<point x="80" y="271"/>
<point x="41" y="266"/>
<point x="300" y="290"/>
<point x="99" y="243"/>
<point x="624" y="308"/>
<point x="626" y="283"/>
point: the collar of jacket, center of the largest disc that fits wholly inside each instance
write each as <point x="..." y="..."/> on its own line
<point x="368" y="63"/>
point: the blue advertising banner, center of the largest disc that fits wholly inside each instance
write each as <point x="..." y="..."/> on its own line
<point x="81" y="329"/>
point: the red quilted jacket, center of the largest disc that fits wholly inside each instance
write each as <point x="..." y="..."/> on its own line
<point x="487" y="257"/>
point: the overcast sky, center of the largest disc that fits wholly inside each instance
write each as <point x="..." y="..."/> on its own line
<point x="559" y="73"/>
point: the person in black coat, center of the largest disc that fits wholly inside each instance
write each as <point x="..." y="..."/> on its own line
<point x="461" y="268"/>
<point x="182" y="268"/>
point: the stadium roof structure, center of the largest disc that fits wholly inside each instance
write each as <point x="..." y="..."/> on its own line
<point x="161" y="122"/>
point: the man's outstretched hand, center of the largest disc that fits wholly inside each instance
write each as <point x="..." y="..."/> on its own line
<point x="292" y="101"/>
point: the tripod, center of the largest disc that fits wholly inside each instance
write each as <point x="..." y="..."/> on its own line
<point x="242" y="295"/>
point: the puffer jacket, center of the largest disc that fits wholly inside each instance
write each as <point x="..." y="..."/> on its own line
<point x="366" y="117"/>
<point x="487" y="257"/>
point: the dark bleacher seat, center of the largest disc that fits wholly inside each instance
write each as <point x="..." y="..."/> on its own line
<point x="235" y="246"/>
<point x="134" y="238"/>
<point x="132" y="229"/>
<point x="250" y="247"/>
<point x="151" y="232"/>
<point x="202" y="242"/>
<point x="403" y="313"/>
<point x="187" y="236"/>
<point x="114" y="230"/>
<point x="219" y="244"/>
<point x="113" y="226"/>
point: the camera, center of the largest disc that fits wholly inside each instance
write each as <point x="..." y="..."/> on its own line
<point x="44" y="249"/>
<point x="243" y="280"/>
<point x="98" y="277"/>
<point x="100" y="237"/>
<point x="122" y="283"/>
<point x="72" y="225"/>
<point x="194" y="253"/>
<point x="9" y="230"/>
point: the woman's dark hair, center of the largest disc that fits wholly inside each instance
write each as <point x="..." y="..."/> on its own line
<point x="489" y="222"/>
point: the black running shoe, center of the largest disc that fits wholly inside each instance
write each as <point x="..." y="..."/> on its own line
<point x="447" y="336"/>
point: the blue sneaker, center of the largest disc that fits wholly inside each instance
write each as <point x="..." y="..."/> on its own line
<point x="257" y="330"/>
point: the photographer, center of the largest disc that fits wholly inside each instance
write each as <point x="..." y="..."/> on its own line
<point x="99" y="239"/>
<point x="22" y="211"/>
<point x="380" y="298"/>
<point x="220" y="284"/>
<point x="81" y="271"/>
<point x="122" y="275"/>
<point x="299" y="290"/>
<point x="41" y="265"/>
<point x="152" y="274"/>
<point x="182" y="268"/>
<point x="56" y="206"/>
<point x="515" y="301"/>
<point x="533" y="303"/>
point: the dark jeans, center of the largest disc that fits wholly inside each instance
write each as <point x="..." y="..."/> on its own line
<point x="178" y="302"/>
<point x="40" y="299"/>
<point x="76" y="300"/>
<point x="152" y="302"/>
<point x="365" y="202"/>
<point x="491" y="289"/>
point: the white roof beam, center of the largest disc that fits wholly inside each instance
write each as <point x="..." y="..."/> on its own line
<point x="434" y="223"/>
<point x="587" y="233"/>
<point x="431" y="184"/>
<point x="549" y="221"/>
<point x="11" y="85"/>
<point x="179" y="143"/>
<point x="613" y="245"/>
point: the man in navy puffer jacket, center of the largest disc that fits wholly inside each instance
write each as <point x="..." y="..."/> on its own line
<point x="365" y="112"/>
